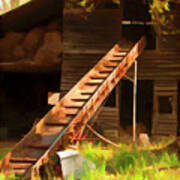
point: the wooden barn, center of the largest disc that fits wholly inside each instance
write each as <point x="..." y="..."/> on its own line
<point x="86" y="38"/>
<point x="33" y="63"/>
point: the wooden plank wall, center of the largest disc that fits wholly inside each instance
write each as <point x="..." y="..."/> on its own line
<point x="158" y="65"/>
<point x="94" y="34"/>
<point x="86" y="41"/>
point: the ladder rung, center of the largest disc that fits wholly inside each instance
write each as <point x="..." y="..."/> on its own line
<point x="120" y="54"/>
<point x="56" y="123"/>
<point x="93" y="83"/>
<point x="70" y="114"/>
<point x="20" y="165"/>
<point x="71" y="111"/>
<point x="23" y="159"/>
<point x="49" y="130"/>
<point x="110" y="66"/>
<point x="21" y="171"/>
<point x="60" y="121"/>
<point x="115" y="60"/>
<point x="80" y="99"/>
<point x="73" y="106"/>
<point x="87" y="93"/>
<point x="37" y="146"/>
<point x="94" y="77"/>
<point x="105" y="71"/>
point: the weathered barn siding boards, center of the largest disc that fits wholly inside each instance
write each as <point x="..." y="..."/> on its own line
<point x="108" y="122"/>
<point x="170" y="42"/>
<point x="158" y="65"/>
<point x="74" y="67"/>
<point x="92" y="35"/>
<point x="86" y="41"/>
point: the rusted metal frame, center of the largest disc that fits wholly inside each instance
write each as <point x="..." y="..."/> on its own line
<point x="98" y="97"/>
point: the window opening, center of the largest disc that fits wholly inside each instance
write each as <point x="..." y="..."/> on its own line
<point x="165" y="104"/>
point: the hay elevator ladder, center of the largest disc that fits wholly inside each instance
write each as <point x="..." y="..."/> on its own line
<point x="65" y="121"/>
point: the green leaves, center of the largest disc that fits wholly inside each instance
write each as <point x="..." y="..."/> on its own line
<point x="116" y="1"/>
<point x="162" y="14"/>
<point x="83" y="3"/>
<point x="89" y="5"/>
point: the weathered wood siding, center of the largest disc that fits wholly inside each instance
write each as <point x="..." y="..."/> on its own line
<point x="74" y="67"/>
<point x="158" y="65"/>
<point x="94" y="34"/>
<point x="108" y="122"/>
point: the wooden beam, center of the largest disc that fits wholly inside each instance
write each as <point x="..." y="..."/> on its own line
<point x="129" y="78"/>
<point x="134" y="101"/>
<point x="118" y="104"/>
<point x="53" y="98"/>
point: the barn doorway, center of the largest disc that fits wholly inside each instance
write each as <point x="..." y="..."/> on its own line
<point x="144" y="106"/>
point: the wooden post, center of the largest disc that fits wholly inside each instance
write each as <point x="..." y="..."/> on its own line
<point x="118" y="104"/>
<point x="134" y="101"/>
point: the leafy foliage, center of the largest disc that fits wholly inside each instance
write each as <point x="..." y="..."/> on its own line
<point x="89" y="5"/>
<point x="128" y="163"/>
<point x="163" y="17"/>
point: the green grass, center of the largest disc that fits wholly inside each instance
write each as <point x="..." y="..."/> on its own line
<point x="3" y="152"/>
<point x="129" y="162"/>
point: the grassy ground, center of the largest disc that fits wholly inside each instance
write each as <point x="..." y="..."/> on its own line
<point x="132" y="162"/>
<point x="128" y="162"/>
